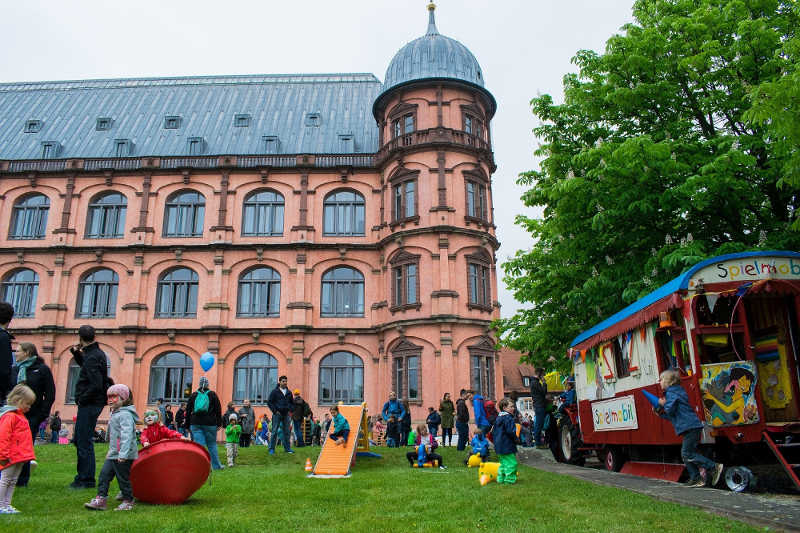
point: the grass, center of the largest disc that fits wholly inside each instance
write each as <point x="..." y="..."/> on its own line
<point x="264" y="493"/>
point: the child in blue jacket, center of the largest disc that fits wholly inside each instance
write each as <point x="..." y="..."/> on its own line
<point x="479" y="445"/>
<point x="341" y="429"/>
<point x="675" y="407"/>
<point x="505" y="442"/>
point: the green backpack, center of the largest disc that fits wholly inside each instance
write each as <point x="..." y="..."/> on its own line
<point x="201" y="402"/>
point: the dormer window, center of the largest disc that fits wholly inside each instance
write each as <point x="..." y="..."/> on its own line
<point x="123" y="147"/>
<point x="241" y="121"/>
<point x="347" y="144"/>
<point x="313" y="120"/>
<point x="103" y="124"/>
<point x="272" y="145"/>
<point x="33" y="126"/>
<point x="196" y="145"/>
<point x="50" y="149"/>
<point x="172" y="122"/>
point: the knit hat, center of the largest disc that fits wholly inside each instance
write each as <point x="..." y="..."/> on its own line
<point x="233" y="416"/>
<point x="203" y="383"/>
<point x="122" y="391"/>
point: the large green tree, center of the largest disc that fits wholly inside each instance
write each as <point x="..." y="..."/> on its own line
<point x="650" y="165"/>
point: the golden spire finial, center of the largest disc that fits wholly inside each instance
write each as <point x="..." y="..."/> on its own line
<point x="432" y="20"/>
<point x="431" y="6"/>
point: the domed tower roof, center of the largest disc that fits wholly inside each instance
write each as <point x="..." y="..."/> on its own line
<point x="433" y="57"/>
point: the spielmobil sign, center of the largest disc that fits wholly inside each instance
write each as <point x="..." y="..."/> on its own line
<point x="748" y="269"/>
<point x="614" y="415"/>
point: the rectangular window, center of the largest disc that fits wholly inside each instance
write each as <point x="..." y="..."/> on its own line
<point x="479" y="286"/>
<point x="122" y="147"/>
<point x="408" y="123"/>
<point x="346" y="144"/>
<point x="172" y="122"/>
<point x="405" y="284"/>
<point x="271" y="145"/>
<point x="476" y="200"/>
<point x="413" y="377"/>
<point x="103" y="124"/>
<point x="405" y="200"/>
<point x="50" y="149"/>
<point x="33" y="126"/>
<point x="196" y="145"/>
<point x="313" y="120"/>
<point x="241" y="121"/>
<point x="398" y="376"/>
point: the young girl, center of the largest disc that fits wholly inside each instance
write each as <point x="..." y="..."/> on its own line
<point x="122" y="449"/>
<point x="675" y="407"/>
<point x="341" y="429"/>
<point x="233" y="431"/>
<point x="16" y="442"/>
<point x="155" y="431"/>
<point x="505" y="442"/>
<point x="429" y="443"/>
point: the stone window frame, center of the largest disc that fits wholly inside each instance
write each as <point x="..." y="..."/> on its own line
<point x="484" y="353"/>
<point x="242" y="363"/>
<point x="398" y="182"/>
<point x="188" y="365"/>
<point x="101" y="292"/>
<point x="354" y="205"/>
<point x="269" y="287"/>
<point x="39" y="212"/>
<point x="472" y="119"/>
<point x="117" y="211"/>
<point x="271" y="206"/>
<point x="175" y="308"/>
<point x="400" y="262"/>
<point x="479" y="180"/>
<point x="338" y="285"/>
<point x="397" y="118"/>
<point x="402" y="352"/>
<point x="195" y="207"/>
<point x="482" y="262"/>
<point x="351" y="367"/>
<point x="29" y="291"/>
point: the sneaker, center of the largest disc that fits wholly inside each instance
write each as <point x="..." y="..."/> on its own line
<point x="34" y="464"/>
<point x="442" y="467"/>
<point x="290" y="451"/>
<point x="120" y="497"/>
<point x="697" y="483"/>
<point x="717" y="474"/>
<point x="272" y="452"/>
<point x="98" y="503"/>
<point x="8" y="510"/>
<point x="126" y="505"/>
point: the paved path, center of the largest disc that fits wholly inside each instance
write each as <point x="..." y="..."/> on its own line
<point x="780" y="512"/>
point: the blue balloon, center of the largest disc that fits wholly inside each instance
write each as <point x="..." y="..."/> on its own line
<point x="207" y="361"/>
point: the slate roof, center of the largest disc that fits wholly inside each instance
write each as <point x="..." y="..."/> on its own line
<point x="276" y="106"/>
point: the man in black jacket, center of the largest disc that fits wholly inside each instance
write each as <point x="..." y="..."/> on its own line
<point x="462" y="421"/>
<point x="281" y="403"/>
<point x="90" y="395"/>
<point x="6" y="314"/>
<point x="301" y="413"/>
<point x="539" y="397"/>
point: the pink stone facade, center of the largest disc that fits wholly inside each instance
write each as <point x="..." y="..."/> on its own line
<point x="449" y="333"/>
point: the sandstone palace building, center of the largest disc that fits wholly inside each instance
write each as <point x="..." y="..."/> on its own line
<point x="332" y="228"/>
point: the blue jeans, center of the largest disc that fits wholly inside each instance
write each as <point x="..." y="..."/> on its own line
<point x="277" y="419"/>
<point x="691" y="457"/>
<point x="54" y="437"/>
<point x="207" y="436"/>
<point x="433" y="430"/>
<point x="84" y="442"/>
<point x="463" y="435"/>
<point x="539" y="414"/>
<point x="298" y="433"/>
<point x="182" y="431"/>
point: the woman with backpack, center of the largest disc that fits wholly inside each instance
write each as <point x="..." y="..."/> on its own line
<point x="204" y="418"/>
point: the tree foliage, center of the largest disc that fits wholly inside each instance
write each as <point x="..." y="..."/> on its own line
<point x="652" y="163"/>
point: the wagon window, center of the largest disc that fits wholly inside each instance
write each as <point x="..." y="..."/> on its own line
<point x="721" y="347"/>
<point x="621" y="360"/>
<point x="717" y="315"/>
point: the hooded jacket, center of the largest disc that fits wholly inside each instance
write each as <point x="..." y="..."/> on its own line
<point x="279" y="402"/>
<point x="156" y="432"/>
<point x="247" y="419"/>
<point x="92" y="383"/>
<point x="480" y="414"/>
<point x="122" y="434"/>
<point x="301" y="409"/>
<point x="16" y="441"/>
<point x="39" y="378"/>
<point x="446" y="410"/>
<point x="505" y="434"/>
<point x="678" y="410"/>
<point x="434" y="420"/>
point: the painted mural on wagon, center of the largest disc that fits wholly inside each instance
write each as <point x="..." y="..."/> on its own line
<point x="729" y="393"/>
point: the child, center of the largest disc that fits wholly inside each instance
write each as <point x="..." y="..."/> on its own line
<point x="262" y="437"/>
<point x="341" y="429"/>
<point x="393" y="432"/>
<point x="122" y="449"/>
<point x="426" y="444"/>
<point x="16" y="442"/>
<point x="675" y="407"/>
<point x="155" y="431"/>
<point x="378" y="431"/>
<point x="479" y="445"/>
<point x="505" y="442"/>
<point x="232" y="433"/>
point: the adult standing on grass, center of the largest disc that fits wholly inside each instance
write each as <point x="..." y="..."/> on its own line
<point x="90" y="395"/>
<point x="462" y="421"/>
<point x="300" y="414"/>
<point x="55" y="427"/>
<point x="479" y="412"/>
<point x="247" y="419"/>
<point x="446" y="410"/>
<point x="539" y="397"/>
<point x="33" y="372"/>
<point x="204" y="418"/>
<point x="180" y="420"/>
<point x="405" y="424"/>
<point x="6" y="314"/>
<point x="393" y="407"/>
<point x="281" y="404"/>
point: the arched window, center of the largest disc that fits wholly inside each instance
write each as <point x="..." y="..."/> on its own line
<point x="19" y="289"/>
<point x="170" y="378"/>
<point x="259" y="293"/>
<point x="177" y="294"/>
<point x="263" y="214"/>
<point x="97" y="294"/>
<point x="254" y="377"/>
<point x="341" y="378"/>
<point x="72" y="378"/>
<point x="344" y="213"/>
<point x="29" y="217"/>
<point x="183" y="216"/>
<point x="342" y="292"/>
<point x="106" y="219"/>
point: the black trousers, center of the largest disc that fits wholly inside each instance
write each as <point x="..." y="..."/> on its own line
<point x="447" y="436"/>
<point x="413" y="457"/>
<point x="122" y="471"/>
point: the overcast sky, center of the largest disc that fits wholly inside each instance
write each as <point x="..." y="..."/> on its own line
<point x="523" y="46"/>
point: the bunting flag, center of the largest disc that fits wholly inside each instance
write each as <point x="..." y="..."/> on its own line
<point x="643" y="333"/>
<point x="711" y="299"/>
<point x="589" y="369"/>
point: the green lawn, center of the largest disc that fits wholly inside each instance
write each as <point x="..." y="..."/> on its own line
<point x="264" y="493"/>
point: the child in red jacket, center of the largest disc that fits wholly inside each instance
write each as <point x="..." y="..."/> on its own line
<point x="156" y="431"/>
<point x="16" y="442"/>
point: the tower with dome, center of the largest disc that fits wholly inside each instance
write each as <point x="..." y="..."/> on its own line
<point x="332" y="228"/>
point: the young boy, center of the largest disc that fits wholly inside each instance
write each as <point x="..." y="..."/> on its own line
<point x="393" y="432"/>
<point x="341" y="429"/>
<point x="675" y="407"/>
<point x="232" y="433"/>
<point x="479" y="445"/>
<point x="505" y="442"/>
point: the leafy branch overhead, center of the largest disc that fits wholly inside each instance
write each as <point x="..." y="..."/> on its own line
<point x="679" y="143"/>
